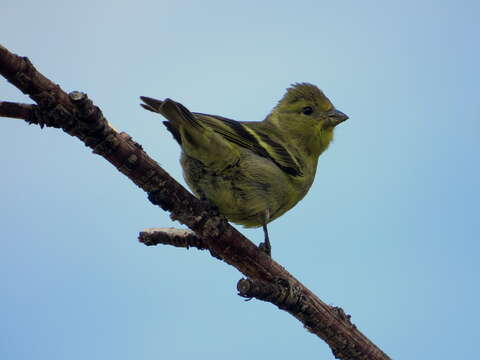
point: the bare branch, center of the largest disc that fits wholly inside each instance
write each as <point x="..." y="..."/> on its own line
<point x="16" y="110"/>
<point x="171" y="236"/>
<point x="75" y="114"/>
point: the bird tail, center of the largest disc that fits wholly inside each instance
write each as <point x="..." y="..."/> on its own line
<point x="176" y="114"/>
<point x="197" y="140"/>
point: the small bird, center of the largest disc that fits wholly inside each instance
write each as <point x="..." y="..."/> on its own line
<point x="254" y="171"/>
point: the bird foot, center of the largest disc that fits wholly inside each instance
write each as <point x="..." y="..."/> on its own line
<point x="266" y="248"/>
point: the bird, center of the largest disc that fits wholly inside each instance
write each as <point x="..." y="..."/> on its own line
<point x="253" y="171"/>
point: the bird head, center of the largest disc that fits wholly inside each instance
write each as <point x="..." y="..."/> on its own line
<point x="306" y="115"/>
<point x="308" y="104"/>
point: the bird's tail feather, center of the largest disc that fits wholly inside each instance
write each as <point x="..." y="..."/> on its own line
<point x="177" y="115"/>
<point x="197" y="139"/>
<point x="151" y="104"/>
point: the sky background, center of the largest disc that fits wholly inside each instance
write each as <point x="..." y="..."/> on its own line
<point x="389" y="230"/>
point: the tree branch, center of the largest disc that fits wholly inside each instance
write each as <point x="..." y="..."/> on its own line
<point x="17" y="110"/>
<point x="266" y="280"/>
<point x="171" y="236"/>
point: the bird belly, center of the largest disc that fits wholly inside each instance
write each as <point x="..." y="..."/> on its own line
<point x="247" y="191"/>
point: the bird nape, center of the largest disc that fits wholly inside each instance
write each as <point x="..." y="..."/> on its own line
<point x="253" y="171"/>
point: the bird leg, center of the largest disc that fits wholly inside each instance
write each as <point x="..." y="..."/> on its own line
<point x="265" y="245"/>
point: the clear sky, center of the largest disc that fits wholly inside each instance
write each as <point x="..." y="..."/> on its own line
<point x="389" y="230"/>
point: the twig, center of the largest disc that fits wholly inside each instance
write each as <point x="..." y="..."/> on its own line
<point x="17" y="110"/>
<point x="171" y="236"/>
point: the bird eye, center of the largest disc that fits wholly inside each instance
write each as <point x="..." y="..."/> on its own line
<point x="307" y="110"/>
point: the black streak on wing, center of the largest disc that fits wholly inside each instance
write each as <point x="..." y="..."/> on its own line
<point x="187" y="115"/>
<point x="283" y="154"/>
<point x="253" y="144"/>
<point x="239" y="130"/>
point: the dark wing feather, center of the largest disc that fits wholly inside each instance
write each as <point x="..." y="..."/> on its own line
<point x="262" y="144"/>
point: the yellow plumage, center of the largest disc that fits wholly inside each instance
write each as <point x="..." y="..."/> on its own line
<point x="253" y="171"/>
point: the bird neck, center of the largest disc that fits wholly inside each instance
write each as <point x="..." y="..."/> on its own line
<point x="311" y="141"/>
<point x="319" y="141"/>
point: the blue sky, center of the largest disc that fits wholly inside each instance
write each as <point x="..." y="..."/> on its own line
<point x="389" y="230"/>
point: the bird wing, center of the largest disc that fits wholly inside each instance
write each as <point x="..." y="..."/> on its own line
<point x="255" y="139"/>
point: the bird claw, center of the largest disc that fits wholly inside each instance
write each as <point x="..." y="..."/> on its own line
<point x="266" y="248"/>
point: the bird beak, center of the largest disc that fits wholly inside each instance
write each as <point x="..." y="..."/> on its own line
<point x="336" y="117"/>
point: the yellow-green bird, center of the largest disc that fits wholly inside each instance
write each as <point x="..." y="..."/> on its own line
<point x="253" y="171"/>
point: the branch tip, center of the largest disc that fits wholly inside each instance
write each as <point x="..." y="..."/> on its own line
<point x="171" y="236"/>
